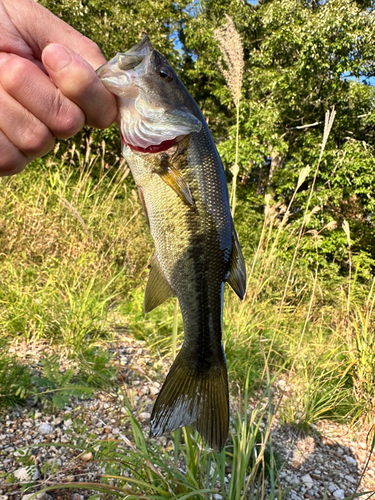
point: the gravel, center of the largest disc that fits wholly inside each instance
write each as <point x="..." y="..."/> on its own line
<point x="325" y="464"/>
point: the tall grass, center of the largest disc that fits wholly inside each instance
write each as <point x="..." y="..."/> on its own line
<point x="232" y="51"/>
<point x="73" y="264"/>
<point x="72" y="247"/>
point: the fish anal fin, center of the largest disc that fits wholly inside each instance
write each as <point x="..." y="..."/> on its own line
<point x="237" y="276"/>
<point x="158" y="289"/>
<point x="173" y="177"/>
<point x="194" y="397"/>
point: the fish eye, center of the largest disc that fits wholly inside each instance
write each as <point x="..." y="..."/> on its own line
<point x="166" y="74"/>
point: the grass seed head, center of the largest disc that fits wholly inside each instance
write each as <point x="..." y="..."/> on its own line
<point x="232" y="50"/>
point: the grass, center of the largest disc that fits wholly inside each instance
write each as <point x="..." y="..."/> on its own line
<point x="137" y="466"/>
<point x="71" y="245"/>
<point x="73" y="262"/>
<point x="74" y="259"/>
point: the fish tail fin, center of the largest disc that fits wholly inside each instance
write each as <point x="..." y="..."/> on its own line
<point x="195" y="397"/>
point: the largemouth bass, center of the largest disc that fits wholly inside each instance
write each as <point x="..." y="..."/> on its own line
<point x="182" y="188"/>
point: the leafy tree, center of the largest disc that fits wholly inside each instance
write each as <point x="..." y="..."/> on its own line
<point x="302" y="58"/>
<point x="117" y="25"/>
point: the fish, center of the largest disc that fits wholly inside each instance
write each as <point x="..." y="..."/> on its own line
<point x="183" y="192"/>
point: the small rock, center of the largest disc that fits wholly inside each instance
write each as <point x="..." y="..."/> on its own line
<point x="45" y="428"/>
<point x="36" y="416"/>
<point x="292" y="480"/>
<point x="154" y="391"/>
<point x="145" y="415"/>
<point x="4" y="497"/>
<point x="350" y="460"/>
<point x="350" y="478"/>
<point x="86" y="457"/>
<point x="307" y="479"/>
<point x="281" y="385"/>
<point x="216" y="496"/>
<point x="339" y="493"/>
<point x="332" y="487"/>
<point x="38" y="496"/>
<point x="77" y="496"/>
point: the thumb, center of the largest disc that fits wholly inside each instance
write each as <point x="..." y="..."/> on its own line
<point x="77" y="80"/>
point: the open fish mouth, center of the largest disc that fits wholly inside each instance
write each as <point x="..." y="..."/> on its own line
<point x="122" y="70"/>
<point x="145" y="123"/>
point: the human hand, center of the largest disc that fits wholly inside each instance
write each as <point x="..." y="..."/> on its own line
<point x="48" y="86"/>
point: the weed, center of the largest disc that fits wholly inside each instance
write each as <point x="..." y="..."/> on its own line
<point x="137" y="466"/>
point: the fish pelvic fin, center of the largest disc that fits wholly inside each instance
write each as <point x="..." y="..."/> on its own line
<point x="237" y="276"/>
<point x="158" y="290"/>
<point x="194" y="397"/>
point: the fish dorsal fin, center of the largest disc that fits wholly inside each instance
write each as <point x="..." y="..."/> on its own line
<point x="158" y="290"/>
<point x="175" y="180"/>
<point x="237" y="276"/>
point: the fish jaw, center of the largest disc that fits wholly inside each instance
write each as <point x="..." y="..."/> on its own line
<point x="151" y="111"/>
<point x="120" y="73"/>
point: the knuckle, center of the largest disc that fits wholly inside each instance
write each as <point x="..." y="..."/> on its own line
<point x="68" y="118"/>
<point x="11" y="166"/>
<point x="37" y="141"/>
<point x="12" y="161"/>
<point x="14" y="71"/>
<point x="92" y="47"/>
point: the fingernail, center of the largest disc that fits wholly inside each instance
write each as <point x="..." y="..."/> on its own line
<point x="56" y="57"/>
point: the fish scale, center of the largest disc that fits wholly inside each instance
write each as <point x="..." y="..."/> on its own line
<point x="183" y="192"/>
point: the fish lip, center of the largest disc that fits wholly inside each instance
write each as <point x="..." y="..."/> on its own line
<point x="143" y="47"/>
<point x="136" y="57"/>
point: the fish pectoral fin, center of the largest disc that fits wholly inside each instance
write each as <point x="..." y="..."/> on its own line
<point x="143" y="203"/>
<point x="237" y="276"/>
<point x="175" y="180"/>
<point x="194" y="397"/>
<point x="158" y="290"/>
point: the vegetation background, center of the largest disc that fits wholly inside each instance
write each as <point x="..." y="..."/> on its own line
<point x="75" y="247"/>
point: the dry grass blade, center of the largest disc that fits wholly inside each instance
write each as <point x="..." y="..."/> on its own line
<point x="76" y="214"/>
<point x="346" y="228"/>
<point x="302" y="176"/>
<point x="328" y="122"/>
<point x="331" y="225"/>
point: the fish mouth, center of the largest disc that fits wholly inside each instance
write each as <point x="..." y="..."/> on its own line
<point x="121" y="71"/>
<point x="145" y="123"/>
